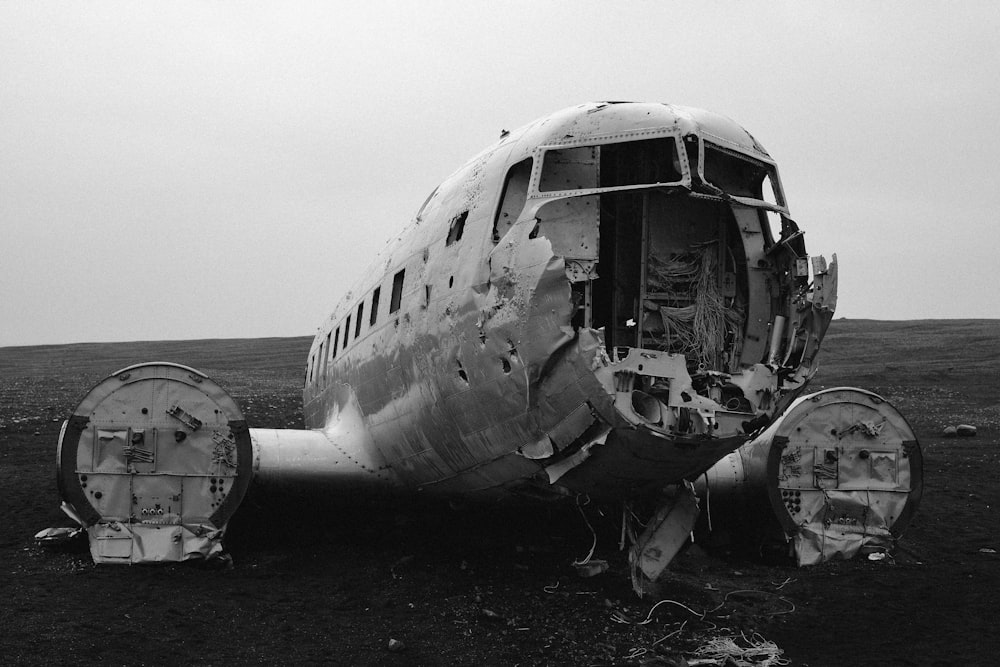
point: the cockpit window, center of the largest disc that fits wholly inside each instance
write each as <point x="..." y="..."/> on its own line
<point x="741" y="175"/>
<point x="627" y="163"/>
<point x="515" y="193"/>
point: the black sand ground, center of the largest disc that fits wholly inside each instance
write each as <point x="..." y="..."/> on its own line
<point x="334" y="583"/>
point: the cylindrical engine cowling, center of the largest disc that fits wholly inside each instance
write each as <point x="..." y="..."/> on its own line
<point x="154" y="461"/>
<point x="840" y="470"/>
<point x="157" y="458"/>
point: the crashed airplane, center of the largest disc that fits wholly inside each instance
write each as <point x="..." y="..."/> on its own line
<point x="606" y="302"/>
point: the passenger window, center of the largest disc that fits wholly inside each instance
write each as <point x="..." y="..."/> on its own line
<point x="336" y="342"/>
<point x="374" y="315"/>
<point x="347" y="330"/>
<point x="357" y="325"/>
<point x="456" y="228"/>
<point x="397" y="292"/>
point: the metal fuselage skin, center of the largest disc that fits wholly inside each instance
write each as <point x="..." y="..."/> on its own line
<point x="595" y="304"/>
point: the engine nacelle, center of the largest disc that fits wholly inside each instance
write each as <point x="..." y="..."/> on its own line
<point x="153" y="462"/>
<point x="840" y="470"/>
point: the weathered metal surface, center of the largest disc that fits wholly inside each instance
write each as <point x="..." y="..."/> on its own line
<point x="512" y="342"/>
<point x="665" y="534"/>
<point x="153" y="462"/>
<point x="310" y="461"/>
<point x="840" y="470"/>
<point x="597" y="304"/>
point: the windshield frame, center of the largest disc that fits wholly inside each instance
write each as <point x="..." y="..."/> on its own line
<point x="780" y="205"/>
<point x="603" y="140"/>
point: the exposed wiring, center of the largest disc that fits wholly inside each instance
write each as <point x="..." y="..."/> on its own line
<point x="593" y="533"/>
<point x="618" y="617"/>
<point x="758" y="651"/>
<point x="672" y="634"/>
<point x="708" y="502"/>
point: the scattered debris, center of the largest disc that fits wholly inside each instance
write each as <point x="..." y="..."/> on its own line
<point x="619" y="617"/>
<point x="788" y="580"/>
<point x="591" y="568"/>
<point x="396" y="646"/>
<point x="987" y="550"/>
<point x="56" y="537"/>
<point x="950" y="432"/>
<point x="757" y="652"/>
<point x="664" y="535"/>
<point x="490" y="614"/>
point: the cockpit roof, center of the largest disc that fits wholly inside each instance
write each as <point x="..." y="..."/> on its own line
<point x="599" y="119"/>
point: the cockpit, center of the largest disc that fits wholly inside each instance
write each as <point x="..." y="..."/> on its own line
<point x="670" y="241"/>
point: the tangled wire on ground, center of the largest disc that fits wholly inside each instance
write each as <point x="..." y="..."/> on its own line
<point x="757" y="652"/>
<point x="723" y="649"/>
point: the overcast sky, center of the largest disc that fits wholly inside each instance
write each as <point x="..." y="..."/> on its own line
<point x="190" y="170"/>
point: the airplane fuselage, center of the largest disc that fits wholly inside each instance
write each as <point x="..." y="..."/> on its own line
<point x="603" y="303"/>
<point x="595" y="304"/>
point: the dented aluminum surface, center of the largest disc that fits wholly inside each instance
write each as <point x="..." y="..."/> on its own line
<point x="606" y="301"/>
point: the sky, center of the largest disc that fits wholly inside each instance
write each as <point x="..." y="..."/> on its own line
<point x="191" y="170"/>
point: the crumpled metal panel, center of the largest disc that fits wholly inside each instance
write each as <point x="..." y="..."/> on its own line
<point x="846" y="522"/>
<point x="116" y="542"/>
<point x="572" y="227"/>
<point x="663" y="537"/>
<point x="813" y="547"/>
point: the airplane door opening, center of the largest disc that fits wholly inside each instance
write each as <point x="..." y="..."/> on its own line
<point x="616" y="289"/>
<point x="672" y="277"/>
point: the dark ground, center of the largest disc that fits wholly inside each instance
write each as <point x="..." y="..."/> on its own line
<point x="470" y="586"/>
